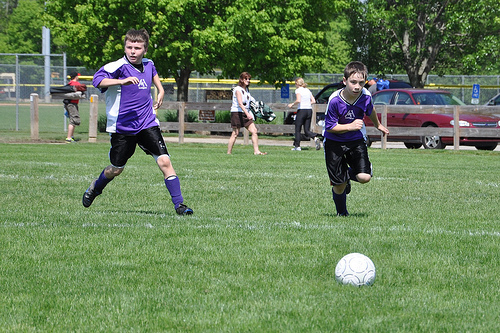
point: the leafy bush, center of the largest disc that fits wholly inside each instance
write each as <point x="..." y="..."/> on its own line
<point x="262" y="121"/>
<point x="101" y="123"/>
<point x="171" y="116"/>
<point x="223" y="117"/>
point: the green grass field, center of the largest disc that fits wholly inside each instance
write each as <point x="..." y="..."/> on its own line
<point x="259" y="253"/>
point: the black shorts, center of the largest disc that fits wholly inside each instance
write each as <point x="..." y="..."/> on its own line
<point x="339" y="156"/>
<point x="123" y="146"/>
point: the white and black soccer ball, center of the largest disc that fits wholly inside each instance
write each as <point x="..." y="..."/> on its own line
<point x="355" y="269"/>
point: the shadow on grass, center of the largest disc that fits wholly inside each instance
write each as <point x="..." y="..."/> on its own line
<point x="350" y="215"/>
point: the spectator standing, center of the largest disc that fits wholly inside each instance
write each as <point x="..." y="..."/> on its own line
<point x="241" y="115"/>
<point x="305" y="99"/>
<point x="372" y="85"/>
<point x="71" y="107"/>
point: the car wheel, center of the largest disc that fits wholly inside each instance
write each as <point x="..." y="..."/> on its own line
<point x="490" y="147"/>
<point x="433" y="141"/>
<point x="410" y="145"/>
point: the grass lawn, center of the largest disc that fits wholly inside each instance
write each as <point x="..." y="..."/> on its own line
<point x="260" y="251"/>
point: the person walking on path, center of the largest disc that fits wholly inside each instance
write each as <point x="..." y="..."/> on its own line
<point x="241" y="115"/>
<point x="305" y="100"/>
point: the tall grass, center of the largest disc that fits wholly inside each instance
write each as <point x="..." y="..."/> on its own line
<point x="258" y="254"/>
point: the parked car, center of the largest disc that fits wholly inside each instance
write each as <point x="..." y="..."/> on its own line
<point x="431" y="97"/>
<point x="494" y="101"/>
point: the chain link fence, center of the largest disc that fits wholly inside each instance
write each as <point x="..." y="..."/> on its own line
<point x="32" y="80"/>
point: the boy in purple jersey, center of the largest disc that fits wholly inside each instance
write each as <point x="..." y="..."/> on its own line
<point x="131" y="118"/>
<point x="346" y="153"/>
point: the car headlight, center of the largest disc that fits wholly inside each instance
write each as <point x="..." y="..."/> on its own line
<point x="461" y="123"/>
<point x="499" y="123"/>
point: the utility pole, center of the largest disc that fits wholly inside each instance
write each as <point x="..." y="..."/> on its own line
<point x="46" y="54"/>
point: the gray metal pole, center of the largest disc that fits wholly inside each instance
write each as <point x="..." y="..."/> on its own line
<point x="46" y="53"/>
<point x="17" y="92"/>
<point x="65" y="75"/>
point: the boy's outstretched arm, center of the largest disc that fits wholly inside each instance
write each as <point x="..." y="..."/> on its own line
<point x="161" y="91"/>
<point x="105" y="83"/>
<point x="373" y="117"/>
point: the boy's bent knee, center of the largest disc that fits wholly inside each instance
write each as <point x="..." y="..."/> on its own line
<point x="112" y="171"/>
<point x="339" y="189"/>
<point x="163" y="160"/>
<point x="363" y="177"/>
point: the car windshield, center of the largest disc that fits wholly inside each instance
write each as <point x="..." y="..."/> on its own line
<point x="325" y="95"/>
<point x="433" y="98"/>
<point x="383" y="98"/>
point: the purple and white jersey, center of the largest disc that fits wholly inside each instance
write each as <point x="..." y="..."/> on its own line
<point x="339" y="111"/>
<point x="129" y="109"/>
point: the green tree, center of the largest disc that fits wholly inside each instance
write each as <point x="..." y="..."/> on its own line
<point x="420" y="36"/>
<point x="6" y="8"/>
<point x="338" y="49"/>
<point x="275" y="40"/>
<point x="24" y="31"/>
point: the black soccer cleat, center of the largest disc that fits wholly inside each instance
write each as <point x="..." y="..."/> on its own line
<point x="317" y="143"/>
<point x="89" y="195"/>
<point x="348" y="187"/>
<point x="183" y="210"/>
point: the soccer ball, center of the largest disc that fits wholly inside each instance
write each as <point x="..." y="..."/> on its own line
<point x="355" y="269"/>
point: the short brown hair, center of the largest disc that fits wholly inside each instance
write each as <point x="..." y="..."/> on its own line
<point x="137" y="36"/>
<point x="243" y="76"/>
<point x="355" y="67"/>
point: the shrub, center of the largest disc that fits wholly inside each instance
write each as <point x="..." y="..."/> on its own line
<point x="171" y="116"/>
<point x="101" y="123"/>
<point x="223" y="117"/>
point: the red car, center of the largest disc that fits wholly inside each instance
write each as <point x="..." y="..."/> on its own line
<point x="431" y="97"/>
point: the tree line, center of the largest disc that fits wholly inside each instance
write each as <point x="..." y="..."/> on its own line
<point x="274" y="40"/>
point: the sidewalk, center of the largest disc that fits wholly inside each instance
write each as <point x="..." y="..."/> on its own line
<point x="224" y="140"/>
<point x="289" y="143"/>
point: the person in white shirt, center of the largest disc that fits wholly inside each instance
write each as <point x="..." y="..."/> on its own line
<point x="241" y="115"/>
<point x="305" y="100"/>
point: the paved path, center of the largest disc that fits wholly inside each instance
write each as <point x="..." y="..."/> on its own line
<point x="224" y="140"/>
<point x="289" y="143"/>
